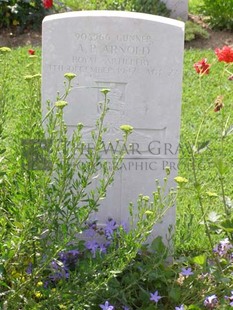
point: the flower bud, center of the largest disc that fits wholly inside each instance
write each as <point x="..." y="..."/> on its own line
<point x="61" y="104"/>
<point x="69" y="76"/>
<point x="105" y="91"/>
<point x="127" y="129"/>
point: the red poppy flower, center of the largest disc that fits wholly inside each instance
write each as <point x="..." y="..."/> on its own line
<point x="47" y="4"/>
<point x="31" y="52"/>
<point x="202" y="67"/>
<point x="225" y="54"/>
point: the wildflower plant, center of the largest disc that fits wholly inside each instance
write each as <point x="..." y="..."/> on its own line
<point x="48" y="197"/>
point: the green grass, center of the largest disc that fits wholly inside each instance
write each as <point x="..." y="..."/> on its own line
<point x="18" y="90"/>
<point x="196" y="99"/>
<point x="190" y="234"/>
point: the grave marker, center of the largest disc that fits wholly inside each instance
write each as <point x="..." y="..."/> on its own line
<point x="140" y="58"/>
<point x="179" y="8"/>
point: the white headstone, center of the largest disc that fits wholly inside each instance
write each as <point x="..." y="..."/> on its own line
<point x="140" y="58"/>
<point x="179" y="8"/>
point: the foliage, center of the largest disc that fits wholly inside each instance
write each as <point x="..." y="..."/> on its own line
<point x="194" y="6"/>
<point x="25" y="13"/>
<point x="193" y="31"/>
<point x="155" y="7"/>
<point x="219" y="13"/>
<point x="183" y="284"/>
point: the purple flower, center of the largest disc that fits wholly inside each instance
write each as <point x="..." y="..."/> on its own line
<point x="125" y="308"/>
<point x="109" y="229"/>
<point x="91" y="229"/>
<point x="54" y="265"/>
<point x="102" y="248"/>
<point x="69" y="258"/>
<point x="29" y="268"/>
<point x="46" y="283"/>
<point x="211" y="301"/>
<point x="186" y="272"/>
<point x="230" y="298"/>
<point x="58" y="272"/>
<point x="92" y="245"/>
<point x="90" y="232"/>
<point x="155" y="296"/>
<point x="223" y="247"/>
<point x="180" y="308"/>
<point x="57" y="276"/>
<point x="107" y="306"/>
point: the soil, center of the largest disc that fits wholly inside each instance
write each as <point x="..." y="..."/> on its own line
<point x="216" y="38"/>
<point x="14" y="38"/>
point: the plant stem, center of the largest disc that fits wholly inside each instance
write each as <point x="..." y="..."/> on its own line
<point x="196" y="186"/>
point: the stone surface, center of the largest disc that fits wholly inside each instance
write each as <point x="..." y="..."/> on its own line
<point x="179" y="8"/>
<point x="139" y="57"/>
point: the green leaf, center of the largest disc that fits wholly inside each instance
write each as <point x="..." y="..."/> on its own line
<point x="225" y="280"/>
<point x="222" y="168"/>
<point x="228" y="131"/>
<point x="5" y="285"/>
<point x="193" y="307"/>
<point x="152" y="276"/>
<point x="175" y="294"/>
<point x="158" y="246"/>
<point x="200" y="260"/>
<point x="201" y="147"/>
<point x="227" y="225"/>
<point x="19" y="225"/>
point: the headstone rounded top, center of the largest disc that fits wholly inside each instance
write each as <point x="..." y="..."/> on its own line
<point x="118" y="14"/>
